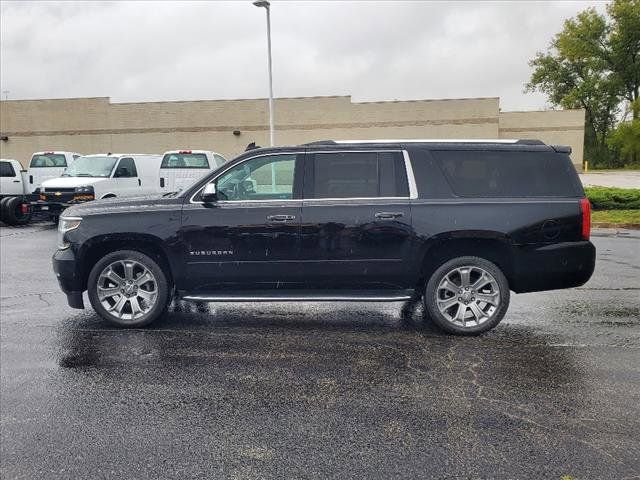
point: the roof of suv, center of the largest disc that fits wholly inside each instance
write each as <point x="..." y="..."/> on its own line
<point x="434" y="144"/>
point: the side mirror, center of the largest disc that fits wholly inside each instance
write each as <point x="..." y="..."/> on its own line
<point x="209" y="194"/>
<point x="121" y="172"/>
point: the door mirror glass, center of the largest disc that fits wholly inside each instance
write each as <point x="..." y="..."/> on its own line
<point x="209" y="193"/>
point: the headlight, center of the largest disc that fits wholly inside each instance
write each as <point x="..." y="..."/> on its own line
<point x="66" y="224"/>
<point x="85" y="189"/>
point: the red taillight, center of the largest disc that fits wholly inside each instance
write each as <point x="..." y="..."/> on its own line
<point x="585" y="209"/>
<point x="184" y="151"/>
<point x="24" y="208"/>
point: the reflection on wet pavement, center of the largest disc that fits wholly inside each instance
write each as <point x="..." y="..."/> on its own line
<point x="323" y="390"/>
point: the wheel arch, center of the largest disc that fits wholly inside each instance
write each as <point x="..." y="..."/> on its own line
<point x="495" y="247"/>
<point x="97" y="247"/>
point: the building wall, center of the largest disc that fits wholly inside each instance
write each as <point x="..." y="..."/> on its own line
<point x="554" y="127"/>
<point x="94" y="125"/>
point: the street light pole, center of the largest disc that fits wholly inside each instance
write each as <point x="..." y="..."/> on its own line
<point x="267" y="6"/>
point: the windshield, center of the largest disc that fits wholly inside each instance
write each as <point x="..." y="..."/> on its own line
<point x="185" y="160"/>
<point x="91" y="167"/>
<point x="48" y="160"/>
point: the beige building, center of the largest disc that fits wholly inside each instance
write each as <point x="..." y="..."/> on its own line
<point x="95" y="125"/>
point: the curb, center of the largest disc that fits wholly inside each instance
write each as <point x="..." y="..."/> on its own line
<point x="629" y="226"/>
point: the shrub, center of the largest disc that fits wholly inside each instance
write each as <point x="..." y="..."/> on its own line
<point x="606" y="198"/>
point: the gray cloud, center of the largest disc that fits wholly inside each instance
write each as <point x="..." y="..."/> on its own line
<point x="137" y="51"/>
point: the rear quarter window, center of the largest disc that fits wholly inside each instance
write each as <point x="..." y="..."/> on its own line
<point x="473" y="173"/>
<point x="185" y="160"/>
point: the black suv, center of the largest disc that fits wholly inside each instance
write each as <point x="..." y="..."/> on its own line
<point x="459" y="223"/>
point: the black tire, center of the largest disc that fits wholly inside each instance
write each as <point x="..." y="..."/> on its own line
<point x="498" y="289"/>
<point x="13" y="212"/>
<point x="3" y="201"/>
<point x="162" y="288"/>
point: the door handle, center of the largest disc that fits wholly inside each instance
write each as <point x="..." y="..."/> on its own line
<point x="139" y="182"/>
<point x="16" y="181"/>
<point x="280" y="218"/>
<point x="388" y="215"/>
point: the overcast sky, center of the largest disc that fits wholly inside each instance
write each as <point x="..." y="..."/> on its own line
<point x="146" y="51"/>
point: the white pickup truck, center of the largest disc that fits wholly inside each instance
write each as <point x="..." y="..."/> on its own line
<point x="181" y="168"/>
<point x="13" y="188"/>
<point x="46" y="165"/>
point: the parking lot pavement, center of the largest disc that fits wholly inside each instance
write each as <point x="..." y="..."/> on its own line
<point x="320" y="390"/>
<point x="612" y="178"/>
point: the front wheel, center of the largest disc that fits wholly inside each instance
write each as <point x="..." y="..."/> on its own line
<point x="128" y="289"/>
<point x="467" y="296"/>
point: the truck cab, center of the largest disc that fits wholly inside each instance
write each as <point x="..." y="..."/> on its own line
<point x="181" y="168"/>
<point x="46" y="165"/>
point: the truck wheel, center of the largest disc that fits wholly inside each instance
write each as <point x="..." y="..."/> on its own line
<point x="3" y="201"/>
<point x="467" y="296"/>
<point x="128" y="289"/>
<point x="13" y="212"/>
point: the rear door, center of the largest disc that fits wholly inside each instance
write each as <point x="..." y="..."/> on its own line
<point x="356" y="220"/>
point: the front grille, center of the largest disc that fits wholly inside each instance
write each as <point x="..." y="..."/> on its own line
<point x="61" y="190"/>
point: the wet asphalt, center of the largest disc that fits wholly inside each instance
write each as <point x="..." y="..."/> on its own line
<point x="316" y="390"/>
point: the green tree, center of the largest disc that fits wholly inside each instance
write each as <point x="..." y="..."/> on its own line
<point x="625" y="139"/>
<point x="594" y="64"/>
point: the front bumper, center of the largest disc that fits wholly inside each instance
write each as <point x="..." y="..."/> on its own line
<point x="63" y="199"/>
<point x="66" y="270"/>
<point x="551" y="267"/>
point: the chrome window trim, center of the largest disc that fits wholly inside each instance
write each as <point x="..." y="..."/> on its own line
<point x="413" y="191"/>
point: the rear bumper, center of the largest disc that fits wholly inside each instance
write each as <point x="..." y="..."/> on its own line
<point x="65" y="268"/>
<point x="551" y="267"/>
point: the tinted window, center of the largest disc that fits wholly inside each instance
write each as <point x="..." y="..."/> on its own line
<point x="261" y="178"/>
<point x="48" y="160"/>
<point x="6" y="170"/>
<point x="185" y="160"/>
<point x="359" y="175"/>
<point x="126" y="168"/>
<point x="509" y="173"/>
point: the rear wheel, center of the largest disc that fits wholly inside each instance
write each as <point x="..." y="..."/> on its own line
<point x="467" y="296"/>
<point x="13" y="214"/>
<point x="3" y="201"/>
<point x="128" y="289"/>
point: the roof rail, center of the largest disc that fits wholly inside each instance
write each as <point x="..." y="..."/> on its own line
<point x="430" y="140"/>
<point x="319" y="142"/>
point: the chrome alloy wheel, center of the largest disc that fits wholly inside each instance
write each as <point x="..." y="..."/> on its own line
<point x="127" y="289"/>
<point x="468" y="296"/>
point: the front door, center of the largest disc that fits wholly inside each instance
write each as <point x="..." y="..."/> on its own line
<point x="356" y="220"/>
<point x="127" y="182"/>
<point x="249" y="237"/>
<point x="10" y="181"/>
